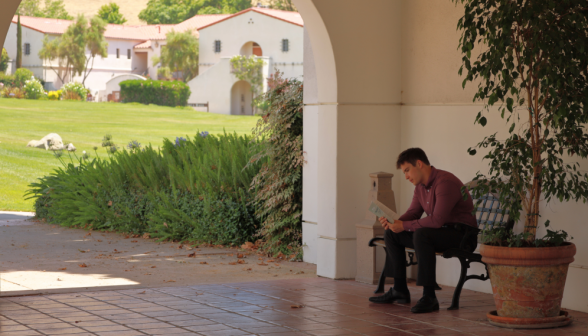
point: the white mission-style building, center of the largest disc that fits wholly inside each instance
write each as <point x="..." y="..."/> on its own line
<point x="274" y="35"/>
<point x="130" y="50"/>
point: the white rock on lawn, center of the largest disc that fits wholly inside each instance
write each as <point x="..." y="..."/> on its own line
<point x="51" y="141"/>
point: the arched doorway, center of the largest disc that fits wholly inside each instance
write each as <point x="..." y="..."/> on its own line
<point x="251" y="48"/>
<point x="241" y="98"/>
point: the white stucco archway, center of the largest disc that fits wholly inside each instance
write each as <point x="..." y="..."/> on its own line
<point x="251" y="48"/>
<point x="241" y="98"/>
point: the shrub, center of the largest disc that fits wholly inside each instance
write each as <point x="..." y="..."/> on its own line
<point x="21" y="75"/>
<point x="196" y="190"/>
<point x="4" y="61"/>
<point x="7" y="80"/>
<point x="33" y="89"/>
<point x="54" y="95"/>
<point x="155" y="92"/>
<point x="13" y="92"/>
<point x="279" y="199"/>
<point x="74" y="91"/>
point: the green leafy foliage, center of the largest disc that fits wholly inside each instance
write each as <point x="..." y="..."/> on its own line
<point x="176" y="11"/>
<point x="286" y="5"/>
<point x="156" y="92"/>
<point x="7" y="80"/>
<point x="4" y="61"/>
<point x="110" y="13"/>
<point x="533" y="65"/>
<point x="22" y="75"/>
<point x="76" y="88"/>
<point x="279" y="182"/>
<point x="179" y="57"/>
<point x="192" y="189"/>
<point x="66" y="54"/>
<point x="249" y="68"/>
<point x="33" y="89"/>
<point x="54" y="9"/>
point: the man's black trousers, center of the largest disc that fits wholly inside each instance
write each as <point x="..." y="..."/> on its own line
<point x="426" y="242"/>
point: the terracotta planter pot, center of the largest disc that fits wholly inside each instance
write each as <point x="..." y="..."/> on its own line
<point x="528" y="282"/>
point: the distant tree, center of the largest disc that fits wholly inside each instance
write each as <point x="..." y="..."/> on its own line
<point x="110" y="13"/>
<point x="95" y="43"/>
<point x="4" y="61"/>
<point x="54" y="9"/>
<point x="180" y="56"/>
<point x="286" y="5"/>
<point x="18" y="44"/>
<point x="69" y="50"/>
<point x="176" y="11"/>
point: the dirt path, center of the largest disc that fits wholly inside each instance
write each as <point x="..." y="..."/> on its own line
<point x="42" y="258"/>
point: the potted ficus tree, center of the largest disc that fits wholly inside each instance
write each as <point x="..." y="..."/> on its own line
<point x="532" y="68"/>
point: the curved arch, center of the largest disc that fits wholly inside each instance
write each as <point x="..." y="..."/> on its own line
<point x="241" y="98"/>
<point x="322" y="48"/>
<point x="251" y="48"/>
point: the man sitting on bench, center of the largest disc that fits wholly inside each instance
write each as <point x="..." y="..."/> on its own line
<point x="449" y="217"/>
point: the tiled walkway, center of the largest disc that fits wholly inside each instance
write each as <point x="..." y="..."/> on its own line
<point x="256" y="308"/>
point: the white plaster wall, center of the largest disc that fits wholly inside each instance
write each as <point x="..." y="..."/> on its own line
<point x="35" y="38"/>
<point x="214" y="86"/>
<point x="266" y="31"/>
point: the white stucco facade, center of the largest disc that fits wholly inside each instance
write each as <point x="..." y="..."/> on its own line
<point x="215" y="82"/>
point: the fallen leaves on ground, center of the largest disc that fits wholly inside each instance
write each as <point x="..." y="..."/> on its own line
<point x="232" y="263"/>
<point x="146" y="235"/>
<point x="230" y="255"/>
<point x="143" y="292"/>
<point x="296" y="306"/>
<point x="83" y="251"/>
<point x="241" y="261"/>
<point x="271" y="260"/>
<point x="153" y="266"/>
<point x="169" y="280"/>
<point x="192" y="255"/>
<point x="248" y="246"/>
<point x="240" y="255"/>
<point x="83" y="265"/>
<point x="204" y="263"/>
<point x="98" y="240"/>
<point x="180" y="246"/>
<point x="89" y="234"/>
<point x="63" y="269"/>
<point x="262" y="264"/>
<point x="134" y="241"/>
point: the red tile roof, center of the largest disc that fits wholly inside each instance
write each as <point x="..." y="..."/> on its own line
<point x="143" y="32"/>
<point x="291" y="17"/>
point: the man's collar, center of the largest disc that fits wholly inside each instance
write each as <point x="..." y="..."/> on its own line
<point x="431" y="177"/>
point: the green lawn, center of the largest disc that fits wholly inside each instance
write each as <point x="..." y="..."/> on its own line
<point x="84" y="124"/>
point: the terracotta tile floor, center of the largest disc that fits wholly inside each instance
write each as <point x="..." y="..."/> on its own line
<point x="256" y="308"/>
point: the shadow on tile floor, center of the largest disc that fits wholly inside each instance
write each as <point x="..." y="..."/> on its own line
<point x="255" y="308"/>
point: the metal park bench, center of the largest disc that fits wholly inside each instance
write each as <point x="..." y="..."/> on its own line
<point x="488" y="215"/>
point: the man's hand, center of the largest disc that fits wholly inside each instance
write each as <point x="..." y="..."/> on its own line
<point x="396" y="227"/>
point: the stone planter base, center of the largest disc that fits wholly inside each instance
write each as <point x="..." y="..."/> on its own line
<point x="563" y="319"/>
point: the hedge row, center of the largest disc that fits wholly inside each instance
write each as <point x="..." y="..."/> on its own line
<point x="156" y="92"/>
<point x="192" y="189"/>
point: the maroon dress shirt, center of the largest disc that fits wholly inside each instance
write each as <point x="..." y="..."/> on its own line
<point x="441" y="200"/>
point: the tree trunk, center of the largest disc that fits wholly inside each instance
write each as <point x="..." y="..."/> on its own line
<point x="18" y="44"/>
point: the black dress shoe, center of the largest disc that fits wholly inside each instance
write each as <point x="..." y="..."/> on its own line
<point x="426" y="304"/>
<point x="392" y="296"/>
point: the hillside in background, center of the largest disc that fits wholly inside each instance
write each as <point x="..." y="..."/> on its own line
<point x="129" y="8"/>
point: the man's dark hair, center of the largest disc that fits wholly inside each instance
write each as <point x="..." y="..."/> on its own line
<point x="411" y="156"/>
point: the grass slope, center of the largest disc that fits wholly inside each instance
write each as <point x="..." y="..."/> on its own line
<point x="84" y="124"/>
